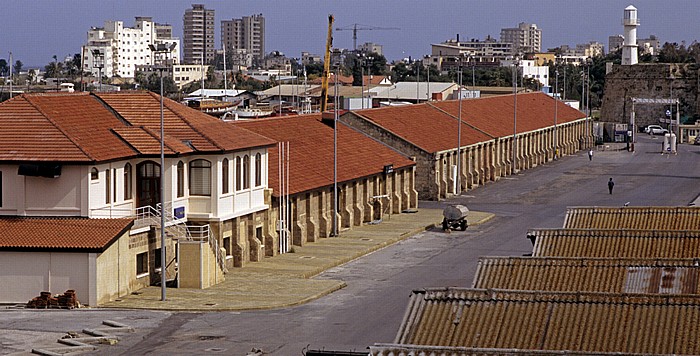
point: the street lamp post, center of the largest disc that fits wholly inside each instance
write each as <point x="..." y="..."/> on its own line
<point x="165" y="50"/>
<point x="335" y="232"/>
<point x="458" y="187"/>
<point x="515" y="115"/>
<point x="556" y="103"/>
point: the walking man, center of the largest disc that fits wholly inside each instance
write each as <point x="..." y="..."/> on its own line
<point x="611" y="184"/>
<point x="590" y="154"/>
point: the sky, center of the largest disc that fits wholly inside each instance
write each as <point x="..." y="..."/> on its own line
<point x="36" y="30"/>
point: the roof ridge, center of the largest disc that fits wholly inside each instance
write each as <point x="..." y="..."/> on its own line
<point x="468" y="124"/>
<point x="58" y="127"/>
<point x="211" y="141"/>
<point x="156" y="137"/>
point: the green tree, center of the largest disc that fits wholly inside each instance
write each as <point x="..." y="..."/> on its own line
<point x="153" y="84"/>
<point x="18" y="66"/>
<point x="3" y="67"/>
<point x="53" y="69"/>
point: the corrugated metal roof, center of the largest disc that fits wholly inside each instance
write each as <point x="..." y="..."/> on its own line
<point x="380" y="349"/>
<point x="581" y="322"/>
<point x="611" y="275"/>
<point x="615" y="243"/>
<point x="641" y="218"/>
<point x="408" y="90"/>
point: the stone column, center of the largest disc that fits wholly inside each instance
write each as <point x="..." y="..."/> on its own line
<point x="298" y="227"/>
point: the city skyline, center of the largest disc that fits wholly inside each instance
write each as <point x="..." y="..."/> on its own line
<point x="296" y="26"/>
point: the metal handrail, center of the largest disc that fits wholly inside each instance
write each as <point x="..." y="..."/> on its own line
<point x="149" y="215"/>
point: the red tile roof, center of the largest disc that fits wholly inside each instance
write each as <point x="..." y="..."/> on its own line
<point x="433" y="128"/>
<point x="311" y="152"/>
<point x="83" y="127"/>
<point x="28" y="233"/>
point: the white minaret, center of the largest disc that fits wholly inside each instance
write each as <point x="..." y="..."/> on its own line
<point x="629" y="49"/>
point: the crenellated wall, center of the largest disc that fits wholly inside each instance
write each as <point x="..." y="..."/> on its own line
<point x="650" y="81"/>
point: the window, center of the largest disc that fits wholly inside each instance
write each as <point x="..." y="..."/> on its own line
<point x="94" y="174"/>
<point x="259" y="234"/>
<point x="200" y="177"/>
<point x="114" y="186"/>
<point x="127" y="181"/>
<point x="224" y="176"/>
<point x="141" y="263"/>
<point x="180" y="179"/>
<point x="157" y="257"/>
<point x="107" y="186"/>
<point x="238" y="173"/>
<point x="227" y="246"/>
<point x="246" y="172"/>
<point x="258" y="170"/>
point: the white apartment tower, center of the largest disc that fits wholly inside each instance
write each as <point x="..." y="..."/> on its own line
<point x="526" y="38"/>
<point x="245" y="33"/>
<point x="198" y="39"/>
<point x="116" y="50"/>
<point x="629" y="48"/>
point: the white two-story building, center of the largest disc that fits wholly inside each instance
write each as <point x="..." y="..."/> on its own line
<point x="93" y="160"/>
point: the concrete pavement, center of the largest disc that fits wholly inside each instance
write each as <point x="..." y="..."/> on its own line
<point x="285" y="280"/>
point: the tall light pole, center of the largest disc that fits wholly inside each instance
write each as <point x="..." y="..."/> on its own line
<point x="335" y="147"/>
<point x="98" y="61"/>
<point x="556" y="103"/>
<point x="165" y="50"/>
<point x="515" y="115"/>
<point x="458" y="187"/>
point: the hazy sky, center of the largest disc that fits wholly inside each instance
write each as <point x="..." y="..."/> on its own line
<point x="35" y="30"/>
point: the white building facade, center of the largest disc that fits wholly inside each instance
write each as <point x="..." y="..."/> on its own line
<point x="116" y="50"/>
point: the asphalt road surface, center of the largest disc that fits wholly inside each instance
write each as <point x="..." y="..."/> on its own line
<point x="371" y="307"/>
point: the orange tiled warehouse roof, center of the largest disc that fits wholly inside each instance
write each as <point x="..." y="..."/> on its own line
<point x="433" y="128"/>
<point x="311" y="152"/>
<point x="83" y="127"/>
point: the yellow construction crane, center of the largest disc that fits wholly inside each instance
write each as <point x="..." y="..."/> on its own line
<point x="359" y="27"/>
<point x="327" y="65"/>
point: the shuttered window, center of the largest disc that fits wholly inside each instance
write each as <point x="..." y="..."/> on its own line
<point x="127" y="181"/>
<point x="180" y="179"/>
<point x="108" y="190"/>
<point x="245" y="171"/>
<point x="200" y="177"/>
<point x="224" y="176"/>
<point x="238" y="173"/>
<point x="258" y="170"/>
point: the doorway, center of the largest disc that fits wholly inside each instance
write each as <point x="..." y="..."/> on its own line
<point x="148" y="184"/>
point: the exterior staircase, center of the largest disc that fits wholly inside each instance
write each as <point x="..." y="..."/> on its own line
<point x="176" y="229"/>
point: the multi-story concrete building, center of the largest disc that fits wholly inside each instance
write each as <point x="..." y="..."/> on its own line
<point x="198" y="38"/>
<point x="181" y="74"/>
<point x="650" y="45"/>
<point x="116" y="50"/>
<point x="489" y="51"/>
<point x="526" y="38"/>
<point x="372" y="47"/>
<point x="246" y="33"/>
<point x="615" y="42"/>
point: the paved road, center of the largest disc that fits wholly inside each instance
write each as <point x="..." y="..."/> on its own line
<point x="371" y="307"/>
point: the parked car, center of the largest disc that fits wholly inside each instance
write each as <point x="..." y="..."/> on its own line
<point x="655" y="130"/>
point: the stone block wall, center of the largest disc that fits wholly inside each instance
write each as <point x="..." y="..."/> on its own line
<point x="654" y="81"/>
<point x="360" y="201"/>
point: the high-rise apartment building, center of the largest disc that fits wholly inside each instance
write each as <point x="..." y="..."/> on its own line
<point x="198" y="39"/>
<point x="526" y="38"/>
<point x="245" y="33"/>
<point x="115" y="50"/>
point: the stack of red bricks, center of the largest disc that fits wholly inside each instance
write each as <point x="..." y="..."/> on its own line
<point x="62" y="301"/>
